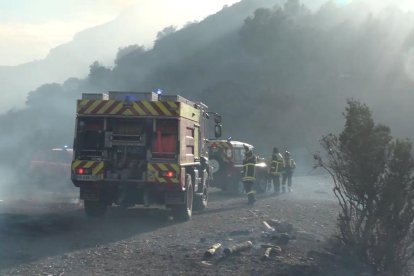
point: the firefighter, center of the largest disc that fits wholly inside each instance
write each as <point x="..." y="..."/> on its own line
<point x="289" y="166"/>
<point x="249" y="174"/>
<point x="276" y="165"/>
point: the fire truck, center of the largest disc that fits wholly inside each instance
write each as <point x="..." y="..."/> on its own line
<point x="226" y="161"/>
<point x="134" y="148"/>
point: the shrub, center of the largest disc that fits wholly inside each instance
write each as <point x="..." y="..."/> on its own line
<point x="373" y="182"/>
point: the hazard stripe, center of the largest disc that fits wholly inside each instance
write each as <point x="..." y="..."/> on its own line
<point x="175" y="167"/>
<point x="104" y="108"/>
<point x="111" y="107"/>
<point x="163" y="108"/>
<point x="82" y="105"/>
<point x="150" y="108"/>
<point x="95" y="166"/>
<point x="92" y="106"/>
<point x="157" y="109"/>
<point x="75" y="164"/>
<point x="156" y="168"/>
<point x="89" y="164"/>
<point x="157" y="173"/>
<point x="162" y="167"/>
<point x="138" y="109"/>
<point x="99" y="106"/>
<point x="144" y="108"/>
<point x="83" y="102"/>
<point x="117" y="108"/>
<point x="98" y="168"/>
<point x="127" y="112"/>
<point x="173" y="107"/>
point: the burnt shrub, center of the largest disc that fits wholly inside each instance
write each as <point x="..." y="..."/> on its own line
<point x="373" y="182"/>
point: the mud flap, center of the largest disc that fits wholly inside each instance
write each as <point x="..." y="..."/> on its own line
<point x="172" y="198"/>
<point x="90" y="194"/>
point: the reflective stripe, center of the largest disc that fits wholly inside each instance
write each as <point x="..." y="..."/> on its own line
<point x="135" y="108"/>
<point x="249" y="172"/>
<point x="96" y="167"/>
<point x="154" y="169"/>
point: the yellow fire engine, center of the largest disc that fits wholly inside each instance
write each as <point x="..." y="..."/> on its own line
<point x="141" y="148"/>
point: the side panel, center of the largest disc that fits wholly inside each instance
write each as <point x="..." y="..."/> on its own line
<point x="187" y="141"/>
<point x="189" y="112"/>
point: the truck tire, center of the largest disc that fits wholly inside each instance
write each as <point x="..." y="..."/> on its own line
<point x="237" y="188"/>
<point x="183" y="212"/>
<point x="201" y="199"/>
<point x="95" y="208"/>
<point x="215" y="165"/>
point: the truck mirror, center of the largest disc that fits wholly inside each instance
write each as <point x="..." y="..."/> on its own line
<point x="217" y="119"/>
<point x="217" y="130"/>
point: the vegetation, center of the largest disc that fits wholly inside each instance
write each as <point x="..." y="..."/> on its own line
<point x="374" y="184"/>
<point x="281" y="72"/>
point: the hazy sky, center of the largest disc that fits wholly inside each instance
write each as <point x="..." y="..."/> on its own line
<point x="30" y="28"/>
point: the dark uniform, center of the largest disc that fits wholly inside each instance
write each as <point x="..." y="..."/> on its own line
<point x="276" y="165"/>
<point x="288" y="168"/>
<point x="249" y="174"/>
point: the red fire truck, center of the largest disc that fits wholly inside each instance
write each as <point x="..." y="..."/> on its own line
<point x="226" y="161"/>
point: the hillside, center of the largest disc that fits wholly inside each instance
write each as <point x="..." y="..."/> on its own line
<point x="279" y="75"/>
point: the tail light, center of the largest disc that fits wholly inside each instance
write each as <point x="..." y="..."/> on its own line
<point x="168" y="174"/>
<point x="81" y="171"/>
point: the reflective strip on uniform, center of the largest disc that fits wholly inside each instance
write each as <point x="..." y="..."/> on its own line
<point x="274" y="168"/>
<point x="249" y="172"/>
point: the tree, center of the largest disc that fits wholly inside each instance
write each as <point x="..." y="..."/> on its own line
<point x="373" y="178"/>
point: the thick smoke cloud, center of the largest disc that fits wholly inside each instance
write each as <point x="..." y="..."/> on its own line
<point x="280" y="76"/>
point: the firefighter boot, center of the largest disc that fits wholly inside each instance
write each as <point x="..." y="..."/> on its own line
<point x="251" y="198"/>
<point x="276" y="186"/>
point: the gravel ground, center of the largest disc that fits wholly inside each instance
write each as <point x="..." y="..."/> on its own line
<point x="56" y="238"/>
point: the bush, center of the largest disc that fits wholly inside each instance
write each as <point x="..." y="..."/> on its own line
<point x="373" y="182"/>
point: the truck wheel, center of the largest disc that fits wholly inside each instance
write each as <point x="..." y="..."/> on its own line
<point x="183" y="212"/>
<point x="95" y="208"/>
<point x="201" y="199"/>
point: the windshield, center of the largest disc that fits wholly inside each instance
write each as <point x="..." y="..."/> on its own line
<point x="239" y="155"/>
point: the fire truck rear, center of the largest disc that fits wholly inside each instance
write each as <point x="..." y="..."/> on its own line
<point x="141" y="148"/>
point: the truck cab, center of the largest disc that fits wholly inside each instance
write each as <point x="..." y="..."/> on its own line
<point x="226" y="161"/>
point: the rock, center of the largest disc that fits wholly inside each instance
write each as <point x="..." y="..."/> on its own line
<point x="281" y="226"/>
<point x="281" y="238"/>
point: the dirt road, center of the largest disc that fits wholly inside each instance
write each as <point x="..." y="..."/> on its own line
<point x="57" y="239"/>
